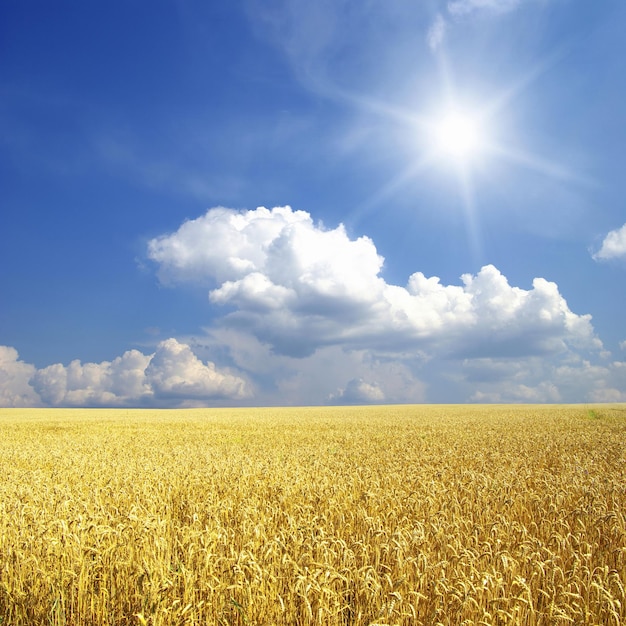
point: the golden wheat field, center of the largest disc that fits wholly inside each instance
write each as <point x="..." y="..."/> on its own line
<point x="412" y="515"/>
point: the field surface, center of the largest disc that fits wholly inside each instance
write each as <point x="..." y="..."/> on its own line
<point x="412" y="515"/>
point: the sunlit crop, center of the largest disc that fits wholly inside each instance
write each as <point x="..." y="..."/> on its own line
<point x="412" y="515"/>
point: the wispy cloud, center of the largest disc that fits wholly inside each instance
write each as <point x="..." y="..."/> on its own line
<point x="153" y="172"/>
<point x="461" y="9"/>
<point x="308" y="33"/>
<point x="436" y="33"/>
<point x="465" y="7"/>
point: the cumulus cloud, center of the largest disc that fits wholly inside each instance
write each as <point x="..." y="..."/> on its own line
<point x="110" y="383"/>
<point x="306" y="306"/>
<point x="613" y="246"/>
<point x="175" y="371"/>
<point x="358" y="391"/>
<point x="298" y="286"/>
<point x="304" y="315"/>
<point x="171" y="376"/>
<point x="15" y="389"/>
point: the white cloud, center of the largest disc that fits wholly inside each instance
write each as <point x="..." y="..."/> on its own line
<point x="505" y="380"/>
<point x="15" y="389"/>
<point x="308" y="310"/>
<point x="309" y="380"/>
<point x="110" y="383"/>
<point x="308" y="317"/>
<point x="298" y="287"/>
<point x="358" y="391"/>
<point x="176" y="372"/>
<point x="533" y="379"/>
<point x="613" y="246"/>
<point x="221" y="245"/>
<point x="172" y="376"/>
<point x="544" y="392"/>
<point x="601" y="382"/>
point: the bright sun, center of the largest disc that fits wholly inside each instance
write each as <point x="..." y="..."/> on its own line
<point x="458" y="135"/>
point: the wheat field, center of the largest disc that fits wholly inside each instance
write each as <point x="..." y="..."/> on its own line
<point x="396" y="515"/>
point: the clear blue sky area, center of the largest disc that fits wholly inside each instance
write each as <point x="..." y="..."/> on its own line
<point x="273" y="202"/>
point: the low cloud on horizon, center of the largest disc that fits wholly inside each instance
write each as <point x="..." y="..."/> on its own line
<point x="171" y="376"/>
<point x="305" y="316"/>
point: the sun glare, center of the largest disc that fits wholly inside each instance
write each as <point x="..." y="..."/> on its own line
<point x="458" y="135"/>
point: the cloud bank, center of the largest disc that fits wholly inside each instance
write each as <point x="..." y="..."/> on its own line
<point x="307" y="309"/>
<point x="171" y="376"/>
<point x="303" y="314"/>
<point x="298" y="287"/>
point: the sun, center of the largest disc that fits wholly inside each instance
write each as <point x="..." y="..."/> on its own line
<point x="458" y="135"/>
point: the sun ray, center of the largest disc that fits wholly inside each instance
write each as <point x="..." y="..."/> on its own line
<point x="471" y="217"/>
<point x="409" y="173"/>
<point x="536" y="163"/>
<point x="502" y="99"/>
<point x="462" y="134"/>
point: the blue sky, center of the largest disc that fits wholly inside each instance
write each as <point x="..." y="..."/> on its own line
<point x="261" y="202"/>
